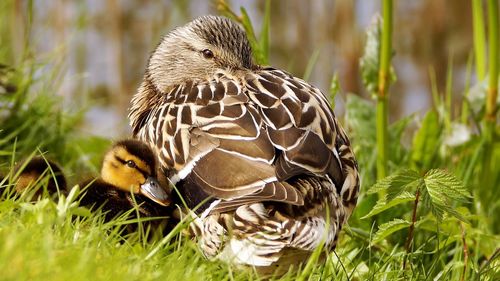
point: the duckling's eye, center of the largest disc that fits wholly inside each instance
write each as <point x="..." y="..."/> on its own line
<point x="131" y="164"/>
<point x="208" y="54"/>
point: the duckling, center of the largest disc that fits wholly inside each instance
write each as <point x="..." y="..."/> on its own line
<point x="36" y="169"/>
<point x="129" y="167"/>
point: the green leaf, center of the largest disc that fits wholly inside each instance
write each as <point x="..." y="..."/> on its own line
<point x="256" y="48"/>
<point x="264" y="32"/>
<point x="389" y="228"/>
<point x="397" y="128"/>
<point x="334" y="89"/>
<point x="442" y="189"/>
<point x="260" y="47"/>
<point x="369" y="62"/>
<point x="426" y="142"/>
<point x="311" y="63"/>
<point x="446" y="184"/>
<point x="397" y="183"/>
<point x="383" y="204"/>
<point x="360" y="117"/>
<point x="360" y="122"/>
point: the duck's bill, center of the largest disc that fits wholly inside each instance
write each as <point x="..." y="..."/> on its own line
<point x="153" y="190"/>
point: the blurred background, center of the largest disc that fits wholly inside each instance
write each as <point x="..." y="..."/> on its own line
<point x="100" y="47"/>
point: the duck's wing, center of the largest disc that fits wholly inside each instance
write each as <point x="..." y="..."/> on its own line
<point x="303" y="128"/>
<point x="239" y="139"/>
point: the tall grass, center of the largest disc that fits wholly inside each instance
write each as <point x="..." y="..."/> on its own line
<point x="433" y="217"/>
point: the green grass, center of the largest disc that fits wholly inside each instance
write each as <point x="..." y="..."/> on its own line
<point x="436" y="218"/>
<point x="43" y="242"/>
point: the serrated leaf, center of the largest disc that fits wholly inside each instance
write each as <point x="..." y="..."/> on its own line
<point x="426" y="142"/>
<point x="441" y="190"/>
<point x="389" y="228"/>
<point x="447" y="184"/>
<point x="383" y="204"/>
<point x="369" y="62"/>
<point x="360" y="122"/>
<point x="395" y="184"/>
<point x="360" y="117"/>
<point x="428" y="205"/>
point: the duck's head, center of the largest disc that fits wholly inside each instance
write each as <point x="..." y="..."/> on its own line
<point x="192" y="52"/>
<point x="130" y="166"/>
<point x="197" y="49"/>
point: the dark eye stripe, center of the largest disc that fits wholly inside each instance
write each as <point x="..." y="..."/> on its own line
<point x="124" y="162"/>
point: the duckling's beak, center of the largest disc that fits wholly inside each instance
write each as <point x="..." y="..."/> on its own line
<point x="153" y="190"/>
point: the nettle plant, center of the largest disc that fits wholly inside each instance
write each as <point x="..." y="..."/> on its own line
<point x="426" y="203"/>
<point x="439" y="190"/>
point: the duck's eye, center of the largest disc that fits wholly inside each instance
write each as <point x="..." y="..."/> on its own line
<point x="208" y="54"/>
<point x="131" y="164"/>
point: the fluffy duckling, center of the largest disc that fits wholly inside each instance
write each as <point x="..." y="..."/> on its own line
<point x="29" y="172"/>
<point x="129" y="167"/>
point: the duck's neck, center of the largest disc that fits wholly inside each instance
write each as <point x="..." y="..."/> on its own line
<point x="144" y="102"/>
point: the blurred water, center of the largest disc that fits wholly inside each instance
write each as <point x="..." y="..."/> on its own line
<point x="105" y="46"/>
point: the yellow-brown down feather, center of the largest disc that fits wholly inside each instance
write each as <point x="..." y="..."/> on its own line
<point x="115" y="172"/>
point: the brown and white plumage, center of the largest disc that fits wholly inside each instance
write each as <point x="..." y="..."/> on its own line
<point x="259" y="150"/>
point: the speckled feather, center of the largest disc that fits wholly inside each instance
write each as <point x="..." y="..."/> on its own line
<point x="263" y="147"/>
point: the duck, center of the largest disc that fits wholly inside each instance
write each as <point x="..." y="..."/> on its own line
<point x="127" y="180"/>
<point x="262" y="165"/>
<point x="30" y="172"/>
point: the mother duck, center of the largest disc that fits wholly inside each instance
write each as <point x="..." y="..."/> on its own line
<point x="257" y="154"/>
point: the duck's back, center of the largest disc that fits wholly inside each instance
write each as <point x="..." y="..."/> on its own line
<point x="259" y="154"/>
<point x="242" y="139"/>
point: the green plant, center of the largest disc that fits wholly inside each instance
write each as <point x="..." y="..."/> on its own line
<point x="433" y="217"/>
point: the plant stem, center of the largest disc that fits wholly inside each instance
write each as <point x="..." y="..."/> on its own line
<point x="412" y="226"/>
<point x="479" y="38"/>
<point x="383" y="81"/>
<point x="447" y="98"/>
<point x="465" y="103"/>
<point x="491" y="98"/>
<point x="492" y="258"/>
<point x="381" y="137"/>
<point x="466" y="252"/>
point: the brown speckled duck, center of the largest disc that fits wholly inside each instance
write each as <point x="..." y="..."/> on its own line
<point x="256" y="152"/>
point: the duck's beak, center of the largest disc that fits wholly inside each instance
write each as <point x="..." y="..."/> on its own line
<point x="153" y="190"/>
